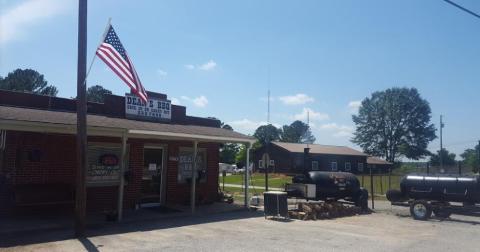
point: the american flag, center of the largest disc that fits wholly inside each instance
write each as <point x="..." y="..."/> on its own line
<point x="112" y="52"/>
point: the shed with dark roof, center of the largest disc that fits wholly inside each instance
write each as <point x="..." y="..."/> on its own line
<point x="379" y="165"/>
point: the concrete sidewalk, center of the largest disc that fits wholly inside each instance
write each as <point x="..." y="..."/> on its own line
<point x="18" y="225"/>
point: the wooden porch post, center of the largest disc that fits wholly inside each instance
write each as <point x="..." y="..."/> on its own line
<point x="194" y="176"/>
<point x="246" y="174"/>
<point x="123" y="164"/>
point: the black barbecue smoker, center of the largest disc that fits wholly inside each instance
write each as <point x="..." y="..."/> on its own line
<point x="441" y="195"/>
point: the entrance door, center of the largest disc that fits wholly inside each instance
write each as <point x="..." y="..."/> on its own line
<point x="152" y="175"/>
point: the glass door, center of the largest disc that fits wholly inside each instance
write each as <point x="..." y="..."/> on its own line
<point x="152" y="175"/>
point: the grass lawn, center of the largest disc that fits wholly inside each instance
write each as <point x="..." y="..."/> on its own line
<point x="258" y="179"/>
<point x="380" y="185"/>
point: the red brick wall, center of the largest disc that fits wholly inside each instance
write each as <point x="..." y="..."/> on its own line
<point x="178" y="193"/>
<point x="58" y="164"/>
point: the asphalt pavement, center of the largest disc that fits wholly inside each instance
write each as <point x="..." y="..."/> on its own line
<point x="389" y="229"/>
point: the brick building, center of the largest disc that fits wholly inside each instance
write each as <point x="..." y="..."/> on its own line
<point x="38" y="152"/>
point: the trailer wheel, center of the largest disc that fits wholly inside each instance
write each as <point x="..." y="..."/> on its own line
<point x="420" y="210"/>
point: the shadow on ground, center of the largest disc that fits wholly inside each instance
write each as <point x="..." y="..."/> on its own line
<point x="34" y="237"/>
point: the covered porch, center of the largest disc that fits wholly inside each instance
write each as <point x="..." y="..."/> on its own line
<point x="177" y="174"/>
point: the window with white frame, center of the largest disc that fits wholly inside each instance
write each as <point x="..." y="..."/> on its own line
<point x="360" y="167"/>
<point x="333" y="166"/>
<point x="272" y="162"/>
<point x="348" y="166"/>
<point x="260" y="164"/>
<point x="314" y="165"/>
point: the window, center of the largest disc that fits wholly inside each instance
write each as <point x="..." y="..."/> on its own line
<point x="348" y="166"/>
<point x="360" y="167"/>
<point x="333" y="166"/>
<point x="272" y="162"/>
<point x="314" y="165"/>
<point x="260" y="164"/>
<point x="185" y="165"/>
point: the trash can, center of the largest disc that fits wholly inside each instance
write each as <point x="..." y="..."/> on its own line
<point x="275" y="204"/>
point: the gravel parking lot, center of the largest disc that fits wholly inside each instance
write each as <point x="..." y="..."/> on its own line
<point x="389" y="229"/>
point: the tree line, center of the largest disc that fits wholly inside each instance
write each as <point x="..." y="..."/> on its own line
<point x="31" y="81"/>
<point x="296" y="132"/>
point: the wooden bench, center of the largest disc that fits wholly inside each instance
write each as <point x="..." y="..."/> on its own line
<point x="44" y="194"/>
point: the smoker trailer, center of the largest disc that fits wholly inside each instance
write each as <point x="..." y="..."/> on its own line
<point x="322" y="185"/>
<point x="441" y="194"/>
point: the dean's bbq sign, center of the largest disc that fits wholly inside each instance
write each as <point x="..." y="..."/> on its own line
<point x="154" y="109"/>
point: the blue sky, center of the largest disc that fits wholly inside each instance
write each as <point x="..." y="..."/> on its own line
<point x="219" y="57"/>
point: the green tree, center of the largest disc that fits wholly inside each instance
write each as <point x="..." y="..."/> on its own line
<point x="241" y="156"/>
<point x="448" y="158"/>
<point x="29" y="81"/>
<point x="228" y="151"/>
<point x="470" y="158"/>
<point x="267" y="133"/>
<point x="297" y="132"/>
<point x="394" y="123"/>
<point x="97" y="93"/>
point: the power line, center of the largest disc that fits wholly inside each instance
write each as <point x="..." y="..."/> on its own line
<point x="462" y="8"/>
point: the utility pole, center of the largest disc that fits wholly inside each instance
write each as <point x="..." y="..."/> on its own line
<point x="268" y="140"/>
<point x="441" y="143"/>
<point x="80" y="194"/>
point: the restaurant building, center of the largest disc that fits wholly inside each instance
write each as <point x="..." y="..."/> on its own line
<point x="137" y="153"/>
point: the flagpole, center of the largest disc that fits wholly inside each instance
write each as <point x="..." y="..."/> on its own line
<point x="81" y="190"/>
<point x="99" y="44"/>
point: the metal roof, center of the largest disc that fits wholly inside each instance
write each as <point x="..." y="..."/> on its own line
<point x="33" y="118"/>
<point x="320" y="149"/>
<point x="379" y="161"/>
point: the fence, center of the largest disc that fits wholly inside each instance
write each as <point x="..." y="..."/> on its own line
<point x="381" y="182"/>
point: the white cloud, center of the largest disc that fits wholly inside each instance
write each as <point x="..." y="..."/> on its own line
<point x="210" y="65"/>
<point x="162" y="73"/>
<point x="297" y="99"/>
<point x="314" y="116"/>
<point x="207" y="66"/>
<point x="354" y="105"/>
<point x="338" y="130"/>
<point x="175" y="101"/>
<point x="248" y="126"/>
<point x="15" y="22"/>
<point x="200" y="101"/>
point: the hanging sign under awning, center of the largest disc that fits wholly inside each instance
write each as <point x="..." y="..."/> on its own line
<point x="154" y="109"/>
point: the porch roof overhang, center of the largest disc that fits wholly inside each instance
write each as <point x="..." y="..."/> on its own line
<point x="47" y="121"/>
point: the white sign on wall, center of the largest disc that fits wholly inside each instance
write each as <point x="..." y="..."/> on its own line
<point x="154" y="109"/>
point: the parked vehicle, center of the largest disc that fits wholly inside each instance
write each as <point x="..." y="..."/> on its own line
<point x="228" y="168"/>
<point x="441" y="195"/>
